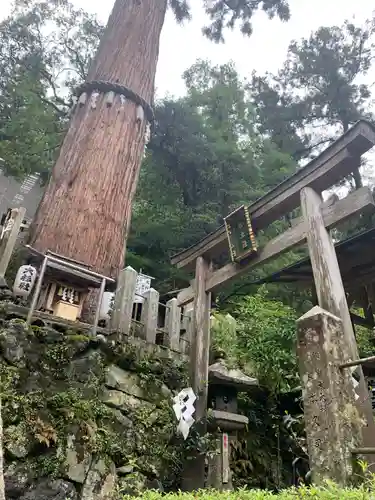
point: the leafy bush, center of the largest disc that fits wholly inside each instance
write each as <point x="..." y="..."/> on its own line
<point x="328" y="492"/>
<point x="266" y="334"/>
<point x="262" y="341"/>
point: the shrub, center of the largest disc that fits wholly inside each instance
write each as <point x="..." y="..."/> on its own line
<point x="328" y="492"/>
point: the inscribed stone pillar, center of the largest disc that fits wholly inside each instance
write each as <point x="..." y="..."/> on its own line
<point x="332" y="297"/>
<point x="333" y="425"/>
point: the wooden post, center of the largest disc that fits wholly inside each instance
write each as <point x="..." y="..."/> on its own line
<point x="98" y="305"/>
<point x="120" y="285"/>
<point x="187" y="326"/>
<point x="38" y="287"/>
<point x="201" y="337"/>
<point x="331" y="294"/>
<point x="333" y="425"/>
<point x="149" y="315"/>
<point x="10" y="240"/>
<point x="172" y="324"/>
<point x="194" y="470"/>
<point x="124" y="299"/>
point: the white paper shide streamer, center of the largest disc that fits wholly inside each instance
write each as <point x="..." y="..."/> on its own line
<point x="183" y="408"/>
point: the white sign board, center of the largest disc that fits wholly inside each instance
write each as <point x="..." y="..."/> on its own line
<point x="142" y="286"/>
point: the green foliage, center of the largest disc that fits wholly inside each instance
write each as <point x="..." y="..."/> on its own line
<point x="226" y="14"/>
<point x="365" y="341"/>
<point x="267" y="335"/>
<point x="329" y="66"/>
<point x="24" y="115"/>
<point x="224" y="337"/>
<point x="328" y="491"/>
<point x="205" y="159"/>
<point x="50" y="414"/>
<point x="46" y="47"/>
<point x="263" y="342"/>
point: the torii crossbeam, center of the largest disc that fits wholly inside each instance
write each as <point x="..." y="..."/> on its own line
<point x="335" y="163"/>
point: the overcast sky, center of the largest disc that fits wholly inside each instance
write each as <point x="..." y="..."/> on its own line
<point x="264" y="51"/>
<point x="181" y="46"/>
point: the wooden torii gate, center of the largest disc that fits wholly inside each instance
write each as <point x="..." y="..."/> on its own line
<point x="325" y="333"/>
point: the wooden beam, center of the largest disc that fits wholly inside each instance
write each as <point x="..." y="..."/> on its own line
<point x="124" y="299"/>
<point x="360" y="274"/>
<point x="286" y="197"/>
<point x="363" y="361"/>
<point x="356" y="270"/>
<point x="172" y="324"/>
<point x="332" y="165"/>
<point x="331" y="200"/>
<point x="357" y="202"/>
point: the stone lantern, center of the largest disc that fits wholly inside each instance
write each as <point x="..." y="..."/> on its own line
<point x="224" y="384"/>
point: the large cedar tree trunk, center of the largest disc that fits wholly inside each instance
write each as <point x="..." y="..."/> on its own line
<point x="86" y="208"/>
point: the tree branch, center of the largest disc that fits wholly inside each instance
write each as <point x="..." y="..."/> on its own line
<point x="49" y="79"/>
<point x="50" y="103"/>
<point x="77" y="59"/>
<point x="301" y="152"/>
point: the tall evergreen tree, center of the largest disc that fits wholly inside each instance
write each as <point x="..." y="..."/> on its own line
<point x="95" y="177"/>
<point x="319" y="92"/>
<point x="205" y="158"/>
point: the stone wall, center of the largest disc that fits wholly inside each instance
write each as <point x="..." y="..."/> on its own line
<point x="86" y="418"/>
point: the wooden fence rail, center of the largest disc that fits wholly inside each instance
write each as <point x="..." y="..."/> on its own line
<point x="170" y="327"/>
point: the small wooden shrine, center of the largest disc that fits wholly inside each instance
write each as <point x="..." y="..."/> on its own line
<point x="62" y="285"/>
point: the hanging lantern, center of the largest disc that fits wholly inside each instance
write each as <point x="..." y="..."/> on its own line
<point x="25" y="280"/>
<point x="106" y="306"/>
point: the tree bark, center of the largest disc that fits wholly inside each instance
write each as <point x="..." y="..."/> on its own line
<point x="86" y="208"/>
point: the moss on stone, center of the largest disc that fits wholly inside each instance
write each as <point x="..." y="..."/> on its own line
<point x="56" y="386"/>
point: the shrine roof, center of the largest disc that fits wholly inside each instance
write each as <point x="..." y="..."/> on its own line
<point x="63" y="269"/>
<point x="219" y="373"/>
